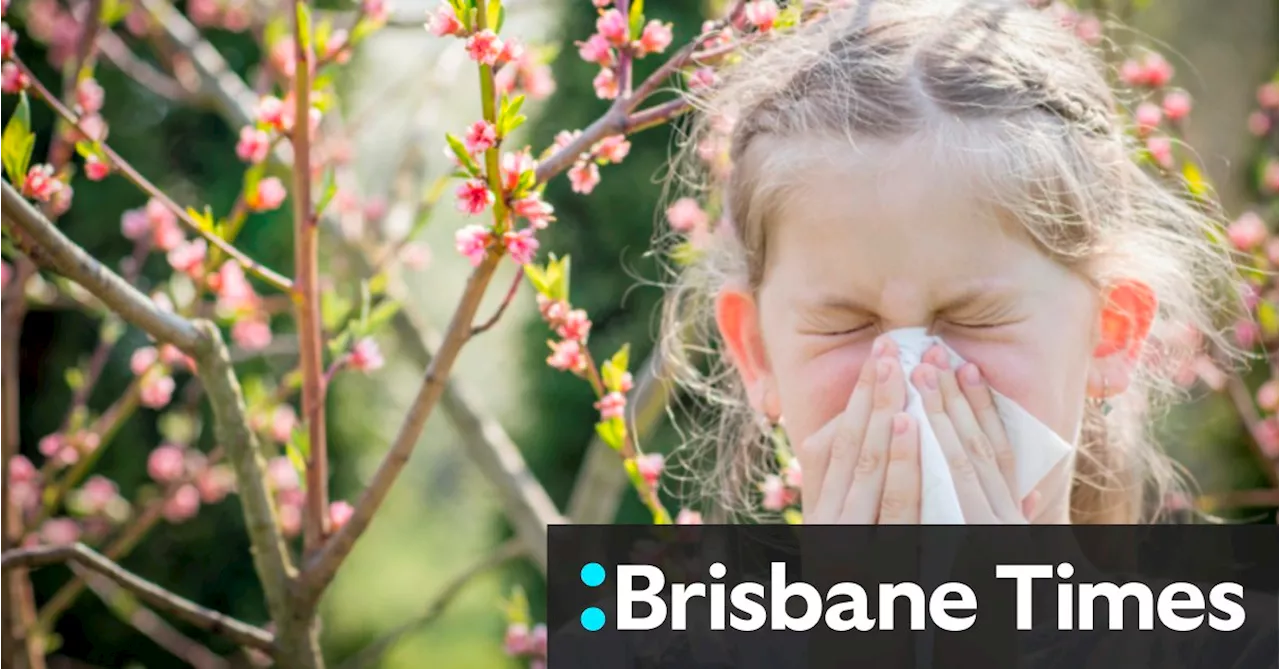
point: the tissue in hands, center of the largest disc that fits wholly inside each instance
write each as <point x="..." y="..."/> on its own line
<point x="1037" y="449"/>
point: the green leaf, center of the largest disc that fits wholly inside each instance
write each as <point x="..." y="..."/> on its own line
<point x="323" y="32"/>
<point x="622" y="358"/>
<point x="614" y="432"/>
<point x="276" y="30"/>
<point x="18" y="142"/>
<point x="537" y="277"/>
<point x="789" y="16"/>
<point x="1268" y="319"/>
<point x="304" y="24"/>
<point x="333" y="309"/>
<point x="296" y="457"/>
<point x="560" y="288"/>
<point x="516" y="609"/>
<point x="637" y="18"/>
<point x="203" y="219"/>
<point x="380" y="315"/>
<point x="612" y="371"/>
<point x="330" y="189"/>
<point x="252" y="176"/>
<point x="493" y="15"/>
<point x="75" y="378"/>
<point x="793" y="516"/>
<point x="1194" y="180"/>
<point x="378" y="283"/>
<point x="502" y="18"/>
<point x="460" y="150"/>
<point x="338" y="345"/>
<point x="114" y="11"/>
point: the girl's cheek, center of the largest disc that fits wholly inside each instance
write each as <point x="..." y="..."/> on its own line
<point x="816" y="388"/>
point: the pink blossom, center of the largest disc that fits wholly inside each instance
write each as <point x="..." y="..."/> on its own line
<point x="512" y="51"/>
<point x="1268" y="396"/>
<point x="625" y="382"/>
<point x="61" y="201"/>
<point x="41" y="184"/>
<point x="1259" y="123"/>
<point x="534" y="209"/>
<point x="583" y="177"/>
<point x="269" y="195"/>
<point x="271" y="111"/>
<point x="97" y="493"/>
<point x="13" y="80"/>
<point x="473" y="196"/>
<point x="688" y="517"/>
<point x="375" y="10"/>
<point x="8" y="41"/>
<point x="59" y="531"/>
<point x="290" y="519"/>
<point x="89" y="95"/>
<point x="336" y="48"/>
<point x="365" y="356"/>
<point x="182" y="505"/>
<point x="21" y="469"/>
<point x="703" y="77"/>
<point x="613" y="148"/>
<point x="203" y="13"/>
<point x="538" y="82"/>
<point x="6" y="273"/>
<point x="282" y="474"/>
<point x="188" y="257"/>
<point x="480" y="136"/>
<point x="214" y="483"/>
<point x="567" y="356"/>
<point x="174" y="357"/>
<point x="685" y="215"/>
<point x="167" y="236"/>
<point x="94" y="128"/>
<point x="521" y="244"/>
<point x="158" y="214"/>
<point x="1247" y="333"/>
<point x="1089" y="29"/>
<point x="472" y="241"/>
<point x="157" y="390"/>
<point x="553" y="311"/>
<point x="1176" y="105"/>
<point x="339" y="513"/>
<point x="776" y="494"/>
<point x="649" y="466"/>
<point x="1267" y="434"/>
<point x="605" y="84"/>
<point x="538" y="641"/>
<point x="167" y="463"/>
<point x="142" y="360"/>
<point x="235" y="293"/>
<point x="513" y="166"/>
<point x="484" y="47"/>
<point x="564" y="138"/>
<point x="51" y="444"/>
<point x="1158" y="70"/>
<point x="1132" y="72"/>
<point x="1161" y="150"/>
<point x="1247" y="232"/>
<point x="575" y="325"/>
<point x="761" y="14"/>
<point x="282" y="57"/>
<point x="792" y="473"/>
<point x="1271" y="178"/>
<point x="444" y="21"/>
<point x="516" y="641"/>
<point x="612" y="405"/>
<point x="283" y="420"/>
<point x="1148" y="117"/>
<point x="416" y="256"/>
<point x="596" y="50"/>
<point x="655" y="38"/>
<point x="96" y="169"/>
<point x="614" y="27"/>
<point x="251" y="334"/>
<point x="1269" y="96"/>
<point x="253" y="146"/>
<point x="601" y="4"/>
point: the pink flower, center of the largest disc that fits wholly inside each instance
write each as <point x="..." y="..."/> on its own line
<point x="235" y="293"/>
<point x="1247" y="333"/>
<point x="613" y="27"/>
<point x="534" y="209"/>
<point x="513" y="166"/>
<point x="1267" y="433"/>
<point x="444" y="21"/>
<point x="416" y="256"/>
<point x="567" y="356"/>
<point x="776" y="494"/>
<point x="1158" y="70"/>
<point x="61" y="202"/>
<point x="365" y="356"/>
<point x="269" y="195"/>
<point x="89" y="95"/>
<point x="516" y="641"/>
<point x="41" y="184"/>
<point x="51" y="444"/>
<point x="167" y="236"/>
<point x="96" y="169"/>
<point x="271" y="111"/>
<point x="512" y="51"/>
<point x="575" y="325"/>
<point x="1148" y="117"/>
<point x="1161" y="150"/>
<point x="613" y="148"/>
<point x="174" y="357"/>
<point x="521" y="244"/>
<point x="182" y="505"/>
<point x="283" y="420"/>
<point x="167" y="463"/>
<point x="1247" y="232"/>
<point x="688" y="517"/>
<point x="655" y="38"/>
<point x="553" y="311"/>
<point x="612" y="405"/>
<point x="625" y="383"/>
<point x="538" y="641"/>
<point x="583" y="177"/>
<point x="21" y="469"/>
<point x="685" y="215"/>
<point x="188" y="258"/>
<point x="484" y="47"/>
<point x="339" y="513"/>
<point x="601" y="4"/>
<point x="1259" y="123"/>
<point x="251" y="334"/>
<point x="761" y="14"/>
<point x="375" y="10"/>
<point x="650" y="466"/>
<point x="473" y="196"/>
<point x="134" y="224"/>
<point x="480" y="136"/>
<point x="1089" y="29"/>
<point x="1269" y="96"/>
<point x="142" y="360"/>
<point x="605" y="84"/>
<point x="793" y="474"/>
<point x="703" y="77"/>
<point x="282" y="57"/>
<point x="8" y="41"/>
<point x="596" y="50"/>
<point x="1176" y="105"/>
<point x="282" y="474"/>
<point x="472" y="241"/>
<point x="336" y="48"/>
<point x="156" y="390"/>
<point x="13" y="80"/>
<point x="1268" y="396"/>
<point x="97" y="493"/>
<point x="214" y="483"/>
<point x="253" y="146"/>
<point x="290" y="520"/>
<point x="59" y="531"/>
<point x="1271" y="178"/>
<point x="94" y="127"/>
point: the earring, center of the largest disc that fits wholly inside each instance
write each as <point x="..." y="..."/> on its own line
<point x="1102" y="403"/>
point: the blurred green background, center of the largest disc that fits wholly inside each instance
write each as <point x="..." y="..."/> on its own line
<point x="442" y="514"/>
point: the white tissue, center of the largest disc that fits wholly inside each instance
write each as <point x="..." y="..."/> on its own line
<point x="1037" y="449"/>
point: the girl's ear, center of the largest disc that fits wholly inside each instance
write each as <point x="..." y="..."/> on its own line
<point x="738" y="319"/>
<point x="1124" y="322"/>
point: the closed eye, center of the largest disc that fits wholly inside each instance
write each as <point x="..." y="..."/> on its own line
<point x="840" y="333"/>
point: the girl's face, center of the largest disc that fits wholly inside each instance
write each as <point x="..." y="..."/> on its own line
<point x="882" y="239"/>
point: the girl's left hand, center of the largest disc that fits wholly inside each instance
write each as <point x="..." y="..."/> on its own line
<point x="963" y="416"/>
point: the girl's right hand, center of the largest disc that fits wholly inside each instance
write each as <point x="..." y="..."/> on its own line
<point x="863" y="466"/>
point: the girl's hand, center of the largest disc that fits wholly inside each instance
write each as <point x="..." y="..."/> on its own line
<point x="863" y="467"/>
<point x="963" y="416"/>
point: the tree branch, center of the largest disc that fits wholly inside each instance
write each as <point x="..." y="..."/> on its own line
<point x="502" y="308"/>
<point x="199" y="616"/>
<point x="64" y="256"/>
<point x="139" y="70"/>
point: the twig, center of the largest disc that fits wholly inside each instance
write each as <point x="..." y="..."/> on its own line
<point x="370" y="654"/>
<point x="656" y="115"/>
<point x="1243" y="401"/>
<point x="73" y="262"/>
<point x="199" y="616"/>
<point x="142" y="72"/>
<point x="506" y="301"/>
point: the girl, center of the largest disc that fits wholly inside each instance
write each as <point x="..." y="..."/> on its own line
<point x="958" y="166"/>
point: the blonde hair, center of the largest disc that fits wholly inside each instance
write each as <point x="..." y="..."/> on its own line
<point x="1027" y="107"/>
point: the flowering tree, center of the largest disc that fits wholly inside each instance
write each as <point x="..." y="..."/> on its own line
<point x="290" y="136"/>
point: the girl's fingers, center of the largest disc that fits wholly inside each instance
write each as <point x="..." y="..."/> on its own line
<point x="973" y="499"/>
<point x="979" y="447"/>
<point x="984" y="408"/>
<point x="843" y="444"/>
<point x="900" y="503"/>
<point x="862" y="502"/>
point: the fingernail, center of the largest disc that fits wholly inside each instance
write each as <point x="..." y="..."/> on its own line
<point x="900" y="423"/>
<point x="929" y="377"/>
<point x="883" y="368"/>
<point x="937" y="356"/>
<point x="970" y="376"/>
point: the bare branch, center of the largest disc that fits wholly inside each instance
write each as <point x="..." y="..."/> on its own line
<point x="502" y="308"/>
<point x="73" y="262"/>
<point x="116" y="51"/>
<point x="185" y="609"/>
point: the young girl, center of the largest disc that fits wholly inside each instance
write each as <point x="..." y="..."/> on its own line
<point x="959" y="166"/>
